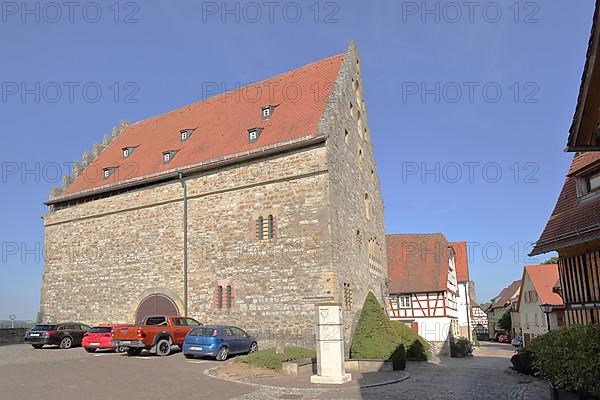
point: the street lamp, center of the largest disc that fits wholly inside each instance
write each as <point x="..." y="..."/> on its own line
<point x="547" y="309"/>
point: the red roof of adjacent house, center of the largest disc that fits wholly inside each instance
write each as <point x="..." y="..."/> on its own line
<point x="417" y="263"/>
<point x="572" y="222"/>
<point x="461" y="260"/>
<point x="544" y="277"/>
<point x="507" y="295"/>
<point x="220" y="126"/>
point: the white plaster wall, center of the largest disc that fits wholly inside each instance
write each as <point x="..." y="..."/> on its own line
<point x="463" y="302"/>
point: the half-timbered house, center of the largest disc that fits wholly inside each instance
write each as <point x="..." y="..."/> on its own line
<point x="423" y="284"/>
<point x="465" y="288"/>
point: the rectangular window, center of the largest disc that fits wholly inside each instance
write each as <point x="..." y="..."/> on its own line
<point x="593" y="182"/>
<point x="156" y="321"/>
<point x="166" y="157"/>
<point x="404" y="301"/>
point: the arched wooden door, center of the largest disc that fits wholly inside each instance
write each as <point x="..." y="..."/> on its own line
<point x="155" y="304"/>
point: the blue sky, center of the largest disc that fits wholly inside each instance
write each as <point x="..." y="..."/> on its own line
<point x="469" y="108"/>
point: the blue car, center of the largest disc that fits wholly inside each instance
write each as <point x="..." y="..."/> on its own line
<point x="218" y="341"/>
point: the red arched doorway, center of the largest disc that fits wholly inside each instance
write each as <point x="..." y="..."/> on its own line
<point x="156" y="304"/>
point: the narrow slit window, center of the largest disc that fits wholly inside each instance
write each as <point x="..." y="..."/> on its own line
<point x="229" y="296"/>
<point x="271" y="227"/>
<point x="219" y="296"/>
<point x="260" y="227"/>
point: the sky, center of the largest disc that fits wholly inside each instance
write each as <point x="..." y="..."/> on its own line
<point x="469" y="105"/>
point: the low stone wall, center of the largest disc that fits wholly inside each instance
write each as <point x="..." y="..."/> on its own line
<point x="302" y="367"/>
<point x="368" y="365"/>
<point x="12" y="335"/>
<point x="306" y="367"/>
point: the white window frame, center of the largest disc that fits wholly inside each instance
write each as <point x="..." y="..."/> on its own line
<point x="267" y="112"/>
<point x="125" y="153"/>
<point x="166" y="157"/>
<point x="405" y="301"/>
<point x="253" y="134"/>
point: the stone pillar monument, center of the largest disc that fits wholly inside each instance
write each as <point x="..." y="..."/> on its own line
<point x="330" y="345"/>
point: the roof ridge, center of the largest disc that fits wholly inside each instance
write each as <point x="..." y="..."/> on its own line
<point x="231" y="91"/>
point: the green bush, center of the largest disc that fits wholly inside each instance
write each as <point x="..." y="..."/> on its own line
<point x="523" y="362"/>
<point x="374" y="337"/>
<point x="569" y="358"/>
<point x="268" y="358"/>
<point x="459" y="346"/>
<point x="417" y="348"/>
<point x="399" y="358"/>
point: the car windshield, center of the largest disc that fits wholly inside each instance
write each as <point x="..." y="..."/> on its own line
<point x="203" y="331"/>
<point x="101" y="329"/>
<point x="42" y="328"/>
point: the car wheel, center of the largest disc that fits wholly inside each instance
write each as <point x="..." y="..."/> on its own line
<point x="222" y="354"/>
<point x="134" y="351"/>
<point x="66" y="343"/>
<point x="37" y="346"/>
<point x="120" y="349"/>
<point x="253" y="347"/>
<point x="163" y="348"/>
<point x="90" y="349"/>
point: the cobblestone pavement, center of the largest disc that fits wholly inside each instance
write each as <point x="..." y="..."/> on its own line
<point x="483" y="376"/>
<point x="53" y="374"/>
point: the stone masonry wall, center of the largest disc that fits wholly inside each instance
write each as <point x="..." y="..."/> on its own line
<point x="353" y="175"/>
<point x="103" y="257"/>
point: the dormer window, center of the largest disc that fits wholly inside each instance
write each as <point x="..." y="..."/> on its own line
<point x="107" y="172"/>
<point x="168" y="156"/>
<point x="254" y="134"/>
<point x="185" y="134"/>
<point x="127" y="151"/>
<point x="267" y="111"/>
<point x="588" y="184"/>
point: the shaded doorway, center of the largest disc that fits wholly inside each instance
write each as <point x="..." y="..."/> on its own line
<point x="155" y="304"/>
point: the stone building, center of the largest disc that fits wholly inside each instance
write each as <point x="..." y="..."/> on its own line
<point x="248" y="208"/>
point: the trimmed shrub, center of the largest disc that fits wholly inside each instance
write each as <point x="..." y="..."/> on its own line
<point x="523" y="362"/>
<point x="417" y="348"/>
<point x="399" y="358"/>
<point x="374" y="337"/>
<point x="569" y="358"/>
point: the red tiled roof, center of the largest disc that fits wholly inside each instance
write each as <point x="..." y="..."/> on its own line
<point x="417" y="263"/>
<point x="461" y="260"/>
<point x="221" y="126"/>
<point x="507" y="295"/>
<point x="572" y="222"/>
<point x="544" y="277"/>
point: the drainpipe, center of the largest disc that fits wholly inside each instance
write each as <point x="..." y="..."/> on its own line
<point x="468" y="305"/>
<point x="185" y="246"/>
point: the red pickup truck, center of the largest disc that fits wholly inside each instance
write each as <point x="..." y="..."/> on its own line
<point x="157" y="333"/>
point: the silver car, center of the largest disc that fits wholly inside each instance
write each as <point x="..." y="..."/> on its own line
<point x="517" y="341"/>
